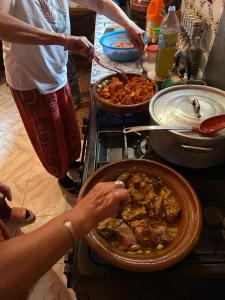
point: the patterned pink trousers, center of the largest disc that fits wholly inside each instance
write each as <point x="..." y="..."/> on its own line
<point x="52" y="127"/>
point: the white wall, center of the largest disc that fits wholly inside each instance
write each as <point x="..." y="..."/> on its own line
<point x="210" y="11"/>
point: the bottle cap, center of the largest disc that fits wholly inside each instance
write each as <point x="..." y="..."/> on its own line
<point x="172" y="9"/>
<point x="154" y="11"/>
<point x="156" y="19"/>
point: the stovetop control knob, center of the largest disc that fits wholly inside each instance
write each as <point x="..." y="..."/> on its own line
<point x="223" y="233"/>
<point x="68" y="258"/>
<point x="213" y="215"/>
<point x="78" y="184"/>
<point x="68" y="261"/>
<point x="86" y="121"/>
<point x="223" y="223"/>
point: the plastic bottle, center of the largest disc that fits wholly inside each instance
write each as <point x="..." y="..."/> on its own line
<point x="154" y="18"/>
<point x="195" y="55"/>
<point x="169" y="29"/>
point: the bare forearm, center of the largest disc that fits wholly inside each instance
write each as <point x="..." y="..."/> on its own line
<point x="14" y="30"/>
<point x="109" y="9"/>
<point x="26" y="258"/>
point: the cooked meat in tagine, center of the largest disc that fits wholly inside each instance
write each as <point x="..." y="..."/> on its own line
<point x="148" y="222"/>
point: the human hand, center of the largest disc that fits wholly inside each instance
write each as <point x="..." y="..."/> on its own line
<point x="5" y="192"/>
<point x="103" y="201"/>
<point x="136" y="36"/>
<point x="80" y="45"/>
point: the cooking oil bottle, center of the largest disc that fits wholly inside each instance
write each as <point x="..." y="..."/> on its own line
<point x="169" y="30"/>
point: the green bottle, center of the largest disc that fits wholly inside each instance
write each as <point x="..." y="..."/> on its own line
<point x="169" y="30"/>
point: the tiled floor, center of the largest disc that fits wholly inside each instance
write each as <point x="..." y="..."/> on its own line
<point x="32" y="187"/>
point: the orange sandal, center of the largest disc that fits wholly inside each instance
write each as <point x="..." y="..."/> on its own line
<point x="18" y="214"/>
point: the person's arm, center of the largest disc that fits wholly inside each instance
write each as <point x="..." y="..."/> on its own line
<point x="111" y="10"/>
<point x="16" y="31"/>
<point x="27" y="257"/>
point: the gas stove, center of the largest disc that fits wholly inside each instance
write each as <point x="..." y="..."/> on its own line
<point x="200" y="275"/>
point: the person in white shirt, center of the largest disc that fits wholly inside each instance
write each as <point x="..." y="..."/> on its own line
<point x="36" y="39"/>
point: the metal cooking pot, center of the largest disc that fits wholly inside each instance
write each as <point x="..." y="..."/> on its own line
<point x="187" y="105"/>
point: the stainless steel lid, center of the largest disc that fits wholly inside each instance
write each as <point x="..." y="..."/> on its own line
<point x="187" y="105"/>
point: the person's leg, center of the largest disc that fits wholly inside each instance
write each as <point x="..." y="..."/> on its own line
<point x="4" y="234"/>
<point x="73" y="81"/>
<point x="71" y="128"/>
<point x="5" y="210"/>
<point x="16" y="214"/>
<point x="52" y="127"/>
<point x="71" y="133"/>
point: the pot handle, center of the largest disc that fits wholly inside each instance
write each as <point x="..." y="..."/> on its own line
<point x="196" y="106"/>
<point x="196" y="149"/>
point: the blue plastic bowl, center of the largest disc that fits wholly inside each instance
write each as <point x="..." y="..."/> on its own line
<point x="116" y="53"/>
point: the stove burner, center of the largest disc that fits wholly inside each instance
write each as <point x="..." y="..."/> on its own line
<point x="143" y="149"/>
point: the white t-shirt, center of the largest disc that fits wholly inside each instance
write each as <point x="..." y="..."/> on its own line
<point x="33" y="66"/>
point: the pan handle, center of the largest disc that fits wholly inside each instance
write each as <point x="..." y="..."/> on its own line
<point x="196" y="149"/>
<point x="156" y="127"/>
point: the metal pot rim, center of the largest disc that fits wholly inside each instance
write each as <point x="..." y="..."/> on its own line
<point x="186" y="87"/>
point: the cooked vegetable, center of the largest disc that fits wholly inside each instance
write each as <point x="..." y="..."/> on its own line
<point x="123" y="45"/>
